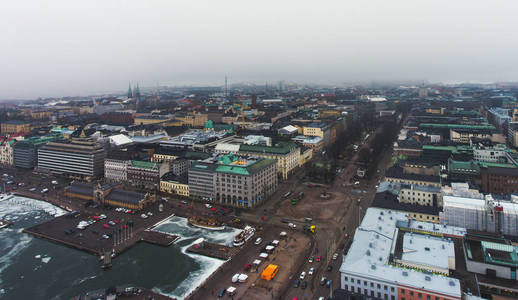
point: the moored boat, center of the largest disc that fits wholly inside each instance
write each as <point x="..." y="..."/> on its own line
<point x="205" y="223"/>
<point x="244" y="236"/>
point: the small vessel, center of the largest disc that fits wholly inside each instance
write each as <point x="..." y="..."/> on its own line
<point x="205" y="223"/>
<point x="4" y="223"/>
<point x="244" y="236"/>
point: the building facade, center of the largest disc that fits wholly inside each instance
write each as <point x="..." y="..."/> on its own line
<point x="78" y="157"/>
<point x="420" y="195"/>
<point x="498" y="180"/>
<point x="6" y="152"/>
<point x="116" y="170"/>
<point x="287" y="155"/>
<point x="15" y="126"/>
<point x="145" y="174"/>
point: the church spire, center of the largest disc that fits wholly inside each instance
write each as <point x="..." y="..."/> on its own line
<point x="130" y="93"/>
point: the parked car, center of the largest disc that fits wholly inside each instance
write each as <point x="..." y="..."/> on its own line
<point x="304" y="285"/>
<point x="311" y="259"/>
<point x="311" y="270"/>
<point x="328" y="283"/>
<point x="329" y="268"/>
<point x="258" y="241"/>
<point x="319" y="258"/>
<point x="221" y="292"/>
<point x="302" y="275"/>
<point x="143" y="216"/>
<point x="323" y="280"/>
<point x="296" y="284"/>
<point x="335" y="256"/>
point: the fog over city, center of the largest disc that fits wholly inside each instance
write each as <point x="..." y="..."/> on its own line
<point x="62" y="47"/>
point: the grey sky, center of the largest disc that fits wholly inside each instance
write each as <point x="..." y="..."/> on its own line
<point x="63" y="47"/>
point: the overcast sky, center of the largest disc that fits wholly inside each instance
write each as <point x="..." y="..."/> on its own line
<point x="64" y="47"/>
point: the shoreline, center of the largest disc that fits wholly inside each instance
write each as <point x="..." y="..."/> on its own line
<point x="201" y="259"/>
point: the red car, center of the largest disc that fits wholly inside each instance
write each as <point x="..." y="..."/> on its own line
<point x="106" y="226"/>
<point x="115" y="221"/>
<point x="96" y="218"/>
<point x="319" y="258"/>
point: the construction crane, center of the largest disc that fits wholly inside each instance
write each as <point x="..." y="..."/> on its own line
<point x="242" y="106"/>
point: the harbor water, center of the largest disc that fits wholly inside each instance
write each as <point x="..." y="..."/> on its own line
<point x="34" y="268"/>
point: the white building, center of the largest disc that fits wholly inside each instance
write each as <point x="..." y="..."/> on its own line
<point x="496" y="153"/>
<point x="481" y="214"/>
<point x="116" y="170"/>
<point x="369" y="267"/>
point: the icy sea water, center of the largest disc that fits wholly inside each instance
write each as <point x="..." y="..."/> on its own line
<point x="33" y="268"/>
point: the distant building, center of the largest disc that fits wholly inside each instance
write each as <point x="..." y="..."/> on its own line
<point x="107" y="108"/>
<point x="15" y="126"/>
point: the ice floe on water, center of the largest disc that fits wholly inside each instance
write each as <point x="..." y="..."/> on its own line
<point x="179" y="226"/>
<point x="46" y="259"/>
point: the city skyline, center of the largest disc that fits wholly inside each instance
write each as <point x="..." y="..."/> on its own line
<point x="59" y="48"/>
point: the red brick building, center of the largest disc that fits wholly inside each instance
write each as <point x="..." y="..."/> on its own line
<point x="497" y="180"/>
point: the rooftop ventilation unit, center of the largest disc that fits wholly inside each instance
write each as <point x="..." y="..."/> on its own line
<point x="428" y="278"/>
<point x="405" y="273"/>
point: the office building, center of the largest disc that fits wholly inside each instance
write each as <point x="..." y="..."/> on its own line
<point x="232" y="180"/>
<point x="77" y="157"/>
<point x="25" y="152"/>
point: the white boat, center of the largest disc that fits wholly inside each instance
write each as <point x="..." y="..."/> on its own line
<point x="244" y="236"/>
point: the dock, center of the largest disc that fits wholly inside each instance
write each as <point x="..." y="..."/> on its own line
<point x="214" y="250"/>
<point x="158" y="238"/>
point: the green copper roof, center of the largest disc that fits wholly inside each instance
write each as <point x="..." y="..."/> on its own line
<point x="232" y="169"/>
<point x="455" y="126"/>
<point x="143" y="164"/>
<point x="280" y="148"/>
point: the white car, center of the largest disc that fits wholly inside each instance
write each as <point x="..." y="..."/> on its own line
<point x="102" y="217"/>
<point x="150" y="214"/>
<point x="106" y="236"/>
<point x="258" y="241"/>
<point x="335" y="256"/>
<point x="302" y="275"/>
<point x="208" y="206"/>
<point x="311" y="270"/>
<point x="143" y="216"/>
<point x="311" y="259"/>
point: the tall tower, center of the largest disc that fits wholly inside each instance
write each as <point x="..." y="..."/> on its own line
<point x="136" y="93"/>
<point x="226" y="87"/>
<point x="130" y="93"/>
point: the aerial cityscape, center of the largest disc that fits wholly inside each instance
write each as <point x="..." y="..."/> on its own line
<point x="171" y="164"/>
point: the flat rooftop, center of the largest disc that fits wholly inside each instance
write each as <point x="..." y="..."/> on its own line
<point x="427" y="250"/>
<point x="373" y="243"/>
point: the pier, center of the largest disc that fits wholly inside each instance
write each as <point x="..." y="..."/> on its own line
<point x="213" y="250"/>
<point x="158" y="238"/>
